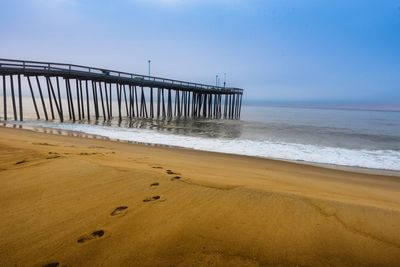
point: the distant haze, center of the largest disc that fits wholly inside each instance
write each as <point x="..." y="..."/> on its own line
<point x="278" y="51"/>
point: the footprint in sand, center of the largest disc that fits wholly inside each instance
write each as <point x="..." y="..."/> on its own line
<point x="155" y="184"/>
<point x="171" y="172"/>
<point x="51" y="264"/>
<point x="94" y="235"/>
<point x="175" y="178"/>
<point x="152" y="198"/>
<point x="119" y="210"/>
<point x="157" y="167"/>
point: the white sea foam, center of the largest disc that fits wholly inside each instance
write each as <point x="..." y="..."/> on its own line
<point x="376" y="159"/>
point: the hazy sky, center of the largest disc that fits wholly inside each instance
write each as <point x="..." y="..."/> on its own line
<point x="277" y="50"/>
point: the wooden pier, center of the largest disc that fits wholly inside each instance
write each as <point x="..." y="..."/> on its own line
<point x="65" y="91"/>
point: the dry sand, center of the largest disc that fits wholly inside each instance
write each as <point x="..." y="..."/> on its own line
<point x="85" y="202"/>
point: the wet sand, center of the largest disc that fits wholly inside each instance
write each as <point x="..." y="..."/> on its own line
<point x="84" y="202"/>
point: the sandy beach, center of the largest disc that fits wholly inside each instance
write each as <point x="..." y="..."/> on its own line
<point x="84" y="202"/>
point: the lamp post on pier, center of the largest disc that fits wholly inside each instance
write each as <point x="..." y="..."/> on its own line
<point x="149" y="67"/>
<point x="224" y="80"/>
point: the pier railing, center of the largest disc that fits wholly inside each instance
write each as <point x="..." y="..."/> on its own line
<point x="72" y="69"/>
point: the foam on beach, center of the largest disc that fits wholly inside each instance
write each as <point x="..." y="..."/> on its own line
<point x="374" y="159"/>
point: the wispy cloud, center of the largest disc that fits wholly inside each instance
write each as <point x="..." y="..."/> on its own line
<point x="56" y="10"/>
<point x="54" y="3"/>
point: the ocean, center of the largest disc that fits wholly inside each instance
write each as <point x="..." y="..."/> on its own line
<point x="355" y="138"/>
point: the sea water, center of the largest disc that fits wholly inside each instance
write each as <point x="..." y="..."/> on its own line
<point x="358" y="138"/>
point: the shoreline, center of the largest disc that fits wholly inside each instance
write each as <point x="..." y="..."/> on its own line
<point x="64" y="132"/>
<point x="80" y="201"/>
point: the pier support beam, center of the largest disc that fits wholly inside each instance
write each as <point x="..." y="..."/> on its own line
<point x="4" y="98"/>
<point x="13" y="98"/>
<point x="59" y="99"/>
<point x="21" y="113"/>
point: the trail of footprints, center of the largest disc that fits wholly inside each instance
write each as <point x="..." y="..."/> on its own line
<point x="118" y="211"/>
<point x="54" y="155"/>
<point x="155" y="184"/>
<point x="51" y="155"/>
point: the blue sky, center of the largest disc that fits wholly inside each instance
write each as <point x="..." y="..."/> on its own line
<point x="305" y="50"/>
